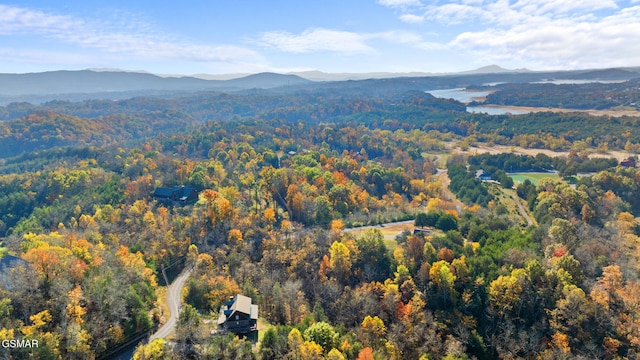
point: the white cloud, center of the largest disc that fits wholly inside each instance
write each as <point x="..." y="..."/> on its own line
<point x="556" y="7"/>
<point x="343" y="42"/>
<point x="411" y="18"/>
<point x="411" y="39"/>
<point x="313" y="40"/>
<point x="402" y="37"/>
<point x="126" y="36"/>
<point x="454" y="13"/>
<point x="399" y="3"/>
<point x="505" y="12"/>
<point x="14" y="20"/>
<point x="547" y="42"/>
<point x="536" y="33"/>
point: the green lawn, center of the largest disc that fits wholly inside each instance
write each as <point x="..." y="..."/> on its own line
<point x="263" y="326"/>
<point x="391" y="244"/>
<point x="533" y="177"/>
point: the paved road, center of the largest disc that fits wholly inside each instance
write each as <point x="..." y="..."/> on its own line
<point x="173" y="302"/>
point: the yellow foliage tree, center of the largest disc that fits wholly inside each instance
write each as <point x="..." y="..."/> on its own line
<point x="155" y="350"/>
<point x="309" y="350"/>
<point x="340" y="260"/>
<point x="75" y="311"/>
<point x="373" y="330"/>
<point x="269" y="216"/>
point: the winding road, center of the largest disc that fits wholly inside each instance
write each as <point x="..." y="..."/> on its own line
<point x="173" y="302"/>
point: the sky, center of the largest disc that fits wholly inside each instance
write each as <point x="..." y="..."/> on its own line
<point x="356" y="36"/>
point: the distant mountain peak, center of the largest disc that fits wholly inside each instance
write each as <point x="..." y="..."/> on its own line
<point x="494" y="69"/>
<point x="116" y="70"/>
<point x="268" y="80"/>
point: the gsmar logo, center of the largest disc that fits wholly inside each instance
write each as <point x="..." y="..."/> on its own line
<point x="19" y="343"/>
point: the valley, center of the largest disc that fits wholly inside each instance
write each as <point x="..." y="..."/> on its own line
<point x="290" y="218"/>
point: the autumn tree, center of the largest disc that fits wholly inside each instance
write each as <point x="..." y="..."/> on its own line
<point x="188" y="333"/>
<point x="340" y="260"/>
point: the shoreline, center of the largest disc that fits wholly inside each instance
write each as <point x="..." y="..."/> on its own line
<point x="609" y="112"/>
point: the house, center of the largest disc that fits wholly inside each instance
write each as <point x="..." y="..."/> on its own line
<point x="482" y="175"/>
<point x="630" y="163"/>
<point x="238" y="316"/>
<point x="180" y="195"/>
<point x="422" y="231"/>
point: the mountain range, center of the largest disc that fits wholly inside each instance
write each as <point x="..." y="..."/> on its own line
<point x="117" y="84"/>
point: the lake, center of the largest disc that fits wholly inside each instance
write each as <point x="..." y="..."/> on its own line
<point x="460" y="94"/>
<point x="576" y="81"/>
<point x="466" y="96"/>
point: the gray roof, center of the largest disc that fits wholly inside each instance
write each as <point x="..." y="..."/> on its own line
<point x="240" y="304"/>
<point x="181" y="192"/>
<point x="163" y="192"/>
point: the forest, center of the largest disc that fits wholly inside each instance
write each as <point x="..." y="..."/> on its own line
<point x="28" y="128"/>
<point x="281" y="181"/>
<point x="571" y="96"/>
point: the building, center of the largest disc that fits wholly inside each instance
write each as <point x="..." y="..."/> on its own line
<point x="630" y="163"/>
<point x="180" y="195"/>
<point x="482" y="175"/>
<point x="424" y="231"/>
<point x="238" y="316"/>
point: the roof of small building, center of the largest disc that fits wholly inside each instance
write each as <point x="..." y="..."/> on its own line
<point x="163" y="192"/>
<point x="481" y="173"/>
<point x="242" y="304"/>
<point x="239" y="304"/>
<point x="178" y="191"/>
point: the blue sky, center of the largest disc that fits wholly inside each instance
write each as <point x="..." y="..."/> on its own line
<point x="246" y="36"/>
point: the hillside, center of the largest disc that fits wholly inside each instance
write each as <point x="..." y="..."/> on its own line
<point x="482" y="269"/>
<point x="118" y="85"/>
<point x="571" y="96"/>
<point x="106" y="82"/>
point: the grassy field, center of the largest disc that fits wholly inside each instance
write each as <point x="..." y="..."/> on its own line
<point x="533" y="177"/>
<point x="507" y="197"/>
<point x="263" y="326"/>
<point x="389" y="231"/>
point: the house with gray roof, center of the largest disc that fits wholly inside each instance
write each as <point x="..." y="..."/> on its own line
<point x="238" y="316"/>
<point x="179" y="195"/>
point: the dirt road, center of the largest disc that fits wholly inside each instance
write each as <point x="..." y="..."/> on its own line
<point x="448" y="195"/>
<point x="523" y="211"/>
